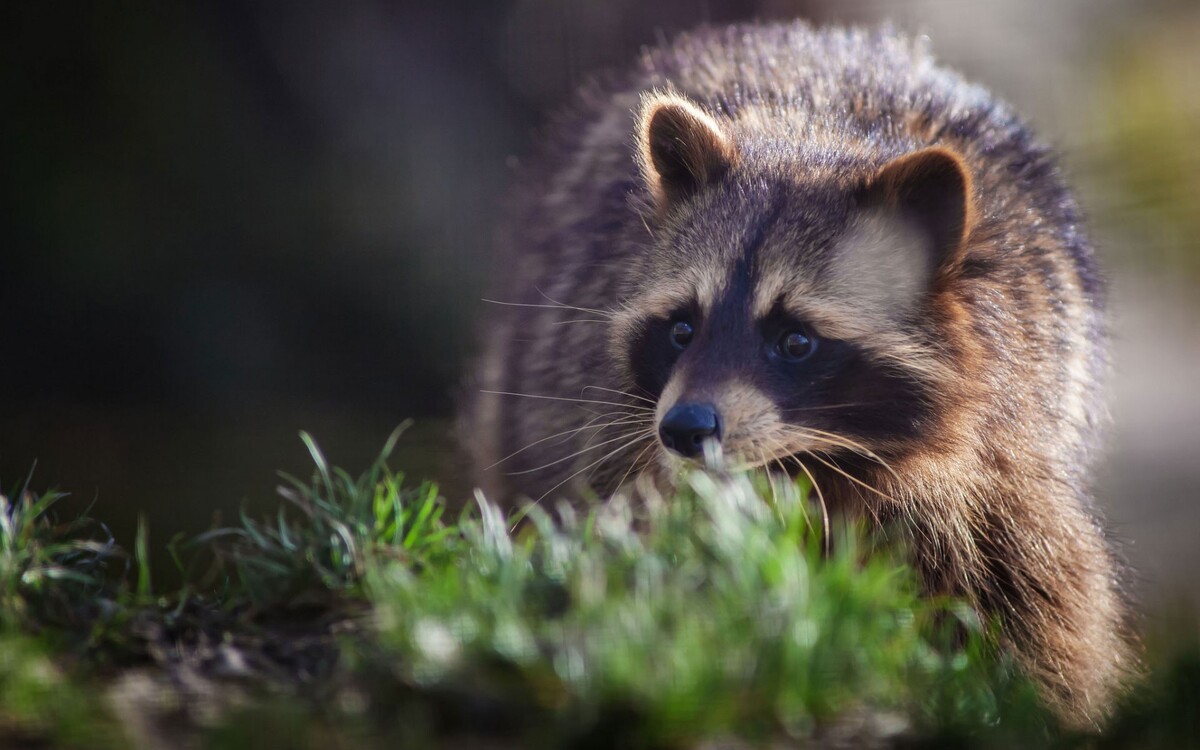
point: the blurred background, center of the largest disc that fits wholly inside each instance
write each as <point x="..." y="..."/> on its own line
<point x="225" y="222"/>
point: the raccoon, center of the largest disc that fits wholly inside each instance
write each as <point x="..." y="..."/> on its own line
<point x="816" y="251"/>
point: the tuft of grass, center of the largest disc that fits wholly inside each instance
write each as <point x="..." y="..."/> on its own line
<point x="55" y="579"/>
<point x="715" y="612"/>
<point x="50" y="572"/>
<point x="337" y="522"/>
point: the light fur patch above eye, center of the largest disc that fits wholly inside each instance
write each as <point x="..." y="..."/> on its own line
<point x="661" y="304"/>
<point x="878" y="272"/>
<point x="695" y="288"/>
<point x="782" y="286"/>
<point x="882" y="264"/>
<point x="830" y="315"/>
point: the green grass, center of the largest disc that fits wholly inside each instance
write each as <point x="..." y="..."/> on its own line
<point x="54" y="583"/>
<point x="724" y="611"/>
<point x="47" y="569"/>
<point x="711" y="613"/>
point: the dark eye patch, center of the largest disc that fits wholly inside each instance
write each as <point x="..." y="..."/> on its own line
<point x="849" y="394"/>
<point x="837" y="387"/>
<point x="653" y="352"/>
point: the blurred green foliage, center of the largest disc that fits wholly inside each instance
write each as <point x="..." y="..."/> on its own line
<point x="724" y="612"/>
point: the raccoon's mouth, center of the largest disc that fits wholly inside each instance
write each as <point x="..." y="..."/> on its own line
<point x="713" y="456"/>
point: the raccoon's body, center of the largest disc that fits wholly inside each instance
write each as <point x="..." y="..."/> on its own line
<point x="821" y="253"/>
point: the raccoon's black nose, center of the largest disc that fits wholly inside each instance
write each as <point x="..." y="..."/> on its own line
<point x="687" y="426"/>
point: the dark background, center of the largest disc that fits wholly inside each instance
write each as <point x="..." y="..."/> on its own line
<point x="224" y="222"/>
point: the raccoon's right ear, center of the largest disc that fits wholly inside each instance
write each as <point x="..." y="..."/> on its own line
<point x="681" y="148"/>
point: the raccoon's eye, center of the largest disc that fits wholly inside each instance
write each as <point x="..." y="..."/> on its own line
<point x="795" y="345"/>
<point x="681" y="334"/>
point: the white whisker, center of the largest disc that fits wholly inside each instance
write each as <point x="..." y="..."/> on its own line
<point x="586" y="449"/>
<point x="605" y="313"/>
<point x="632" y="466"/>
<point x="573" y="400"/>
<point x="853" y="446"/>
<point x="573" y="430"/>
<point x="623" y="393"/>
<point x="605" y="457"/>
<point x="856" y="480"/>
<point x="555" y="306"/>
<point x="821" y="499"/>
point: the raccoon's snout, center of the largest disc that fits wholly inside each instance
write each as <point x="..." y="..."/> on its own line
<point x="686" y="426"/>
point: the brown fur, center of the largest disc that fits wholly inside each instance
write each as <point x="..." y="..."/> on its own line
<point x="761" y="180"/>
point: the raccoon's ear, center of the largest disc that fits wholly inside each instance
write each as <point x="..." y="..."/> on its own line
<point x="681" y="148"/>
<point x="930" y="191"/>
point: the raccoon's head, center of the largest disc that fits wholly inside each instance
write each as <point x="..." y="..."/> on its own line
<point x="786" y="302"/>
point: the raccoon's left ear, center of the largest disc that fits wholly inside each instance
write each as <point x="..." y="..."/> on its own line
<point x="930" y="191"/>
<point x="681" y="148"/>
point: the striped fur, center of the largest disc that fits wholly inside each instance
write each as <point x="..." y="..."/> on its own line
<point x="959" y="396"/>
